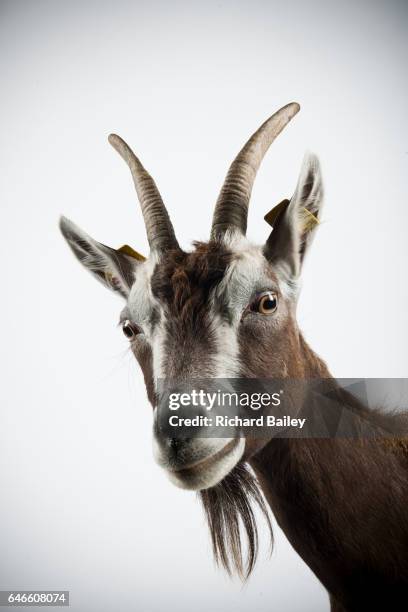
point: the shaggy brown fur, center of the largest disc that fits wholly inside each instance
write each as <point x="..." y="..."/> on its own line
<point x="184" y="281"/>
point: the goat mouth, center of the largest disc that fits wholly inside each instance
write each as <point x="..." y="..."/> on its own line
<point x="210" y="470"/>
<point x="209" y="460"/>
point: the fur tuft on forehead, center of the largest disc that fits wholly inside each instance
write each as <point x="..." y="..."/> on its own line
<point x="184" y="281"/>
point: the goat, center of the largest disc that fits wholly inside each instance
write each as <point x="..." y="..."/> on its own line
<point x="228" y="309"/>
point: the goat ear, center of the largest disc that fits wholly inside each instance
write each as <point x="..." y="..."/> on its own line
<point x="114" y="268"/>
<point x="295" y="221"/>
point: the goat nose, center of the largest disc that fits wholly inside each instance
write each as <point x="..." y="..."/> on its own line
<point x="176" y="447"/>
<point x="174" y="444"/>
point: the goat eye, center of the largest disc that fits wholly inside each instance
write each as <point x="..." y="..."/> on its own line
<point x="266" y="304"/>
<point x="129" y="330"/>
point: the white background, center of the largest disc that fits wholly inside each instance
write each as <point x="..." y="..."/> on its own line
<point x="83" y="505"/>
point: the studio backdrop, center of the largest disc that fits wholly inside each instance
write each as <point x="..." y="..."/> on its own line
<point x="84" y="506"/>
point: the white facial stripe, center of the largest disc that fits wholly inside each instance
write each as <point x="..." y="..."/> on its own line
<point x="141" y="300"/>
<point x="236" y="289"/>
<point x="141" y="303"/>
<point x="248" y="273"/>
<point x="245" y="275"/>
<point x="226" y="359"/>
<point x="236" y="242"/>
<point x="159" y="356"/>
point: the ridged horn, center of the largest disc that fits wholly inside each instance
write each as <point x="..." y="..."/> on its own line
<point x="159" y="229"/>
<point x="231" y="209"/>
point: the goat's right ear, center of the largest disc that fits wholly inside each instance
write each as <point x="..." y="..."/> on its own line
<point x="114" y="268"/>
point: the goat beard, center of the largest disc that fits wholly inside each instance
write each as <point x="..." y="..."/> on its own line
<point x="229" y="510"/>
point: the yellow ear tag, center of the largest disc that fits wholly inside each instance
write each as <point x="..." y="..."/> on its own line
<point x="127" y="250"/>
<point x="273" y="214"/>
<point x="308" y="219"/>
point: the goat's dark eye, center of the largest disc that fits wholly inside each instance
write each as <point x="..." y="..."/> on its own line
<point x="129" y="329"/>
<point x="266" y="303"/>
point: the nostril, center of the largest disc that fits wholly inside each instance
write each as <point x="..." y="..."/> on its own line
<point x="174" y="444"/>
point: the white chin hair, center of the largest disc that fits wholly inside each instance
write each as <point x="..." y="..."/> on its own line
<point x="209" y="475"/>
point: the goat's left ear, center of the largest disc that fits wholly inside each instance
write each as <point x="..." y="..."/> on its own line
<point x="113" y="268"/>
<point x="295" y="221"/>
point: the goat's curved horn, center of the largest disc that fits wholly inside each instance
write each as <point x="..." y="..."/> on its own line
<point x="159" y="229"/>
<point x="231" y="209"/>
